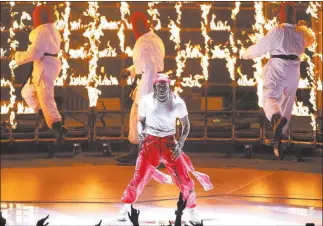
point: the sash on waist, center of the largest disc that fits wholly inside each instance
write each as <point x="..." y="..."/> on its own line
<point x="140" y="75"/>
<point x="285" y="57"/>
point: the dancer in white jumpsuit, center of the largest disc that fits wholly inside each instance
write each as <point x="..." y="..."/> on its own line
<point x="148" y="59"/>
<point x="286" y="43"/>
<point x="38" y="92"/>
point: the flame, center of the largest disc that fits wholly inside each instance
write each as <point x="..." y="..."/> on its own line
<point x="205" y="59"/>
<point x="313" y="9"/>
<point x="244" y="81"/>
<point x="300" y="110"/>
<point x="5" y="82"/>
<point x="13" y="123"/>
<point x="303" y="83"/>
<point x="235" y="11"/>
<point x="319" y="84"/>
<point x="105" y="25"/>
<point x="24" y="110"/>
<point x="108" y="52"/>
<point x="66" y="33"/>
<point x="4" y="109"/>
<point x="79" y="53"/>
<point x="175" y="33"/>
<point x="154" y="13"/>
<point x="78" y="81"/>
<point x="129" y="51"/>
<point x="193" y="52"/>
<point x="76" y="25"/>
<point x="124" y="9"/>
<point x="2" y="52"/>
<point x="205" y="11"/>
<point x="190" y="82"/>
<point x="175" y="37"/>
<point x="220" y="26"/>
<point x="270" y="24"/>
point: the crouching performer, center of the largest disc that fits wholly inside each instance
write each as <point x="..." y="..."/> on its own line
<point x="38" y="92"/>
<point x="157" y="113"/>
<point x="286" y="43"/>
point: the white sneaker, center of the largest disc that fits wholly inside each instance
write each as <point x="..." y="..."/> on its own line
<point x="193" y="216"/>
<point x="123" y="213"/>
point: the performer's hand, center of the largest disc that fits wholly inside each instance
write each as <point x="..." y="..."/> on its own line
<point x="141" y="137"/>
<point x="2" y="220"/>
<point x="197" y="224"/>
<point x="177" y="151"/>
<point x="99" y="224"/>
<point x="134" y="216"/>
<point x="125" y="74"/>
<point x="181" y="204"/>
<point x="42" y="221"/>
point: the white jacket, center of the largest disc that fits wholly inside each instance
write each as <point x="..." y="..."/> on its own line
<point x="44" y="39"/>
<point x="148" y="59"/>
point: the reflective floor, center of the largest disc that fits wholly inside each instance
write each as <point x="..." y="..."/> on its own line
<point x="84" y="194"/>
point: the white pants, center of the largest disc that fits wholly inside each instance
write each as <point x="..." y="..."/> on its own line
<point x="283" y="105"/>
<point x="133" y="132"/>
<point x="42" y="97"/>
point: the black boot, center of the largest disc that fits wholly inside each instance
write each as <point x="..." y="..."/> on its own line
<point x="61" y="130"/>
<point x="131" y="157"/>
<point x="277" y="135"/>
<point x="42" y="123"/>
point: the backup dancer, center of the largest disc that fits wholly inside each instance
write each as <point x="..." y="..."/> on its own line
<point x="286" y="43"/>
<point x="38" y="92"/>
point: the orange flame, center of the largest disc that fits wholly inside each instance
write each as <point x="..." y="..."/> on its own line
<point x="24" y="110"/>
<point x="154" y="13"/>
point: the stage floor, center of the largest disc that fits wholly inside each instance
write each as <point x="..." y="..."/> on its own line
<point x="80" y="193"/>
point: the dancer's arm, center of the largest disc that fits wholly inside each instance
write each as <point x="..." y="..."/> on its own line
<point x="185" y="130"/>
<point x="34" y="52"/>
<point x="264" y="44"/>
<point x="141" y="128"/>
<point x="149" y="71"/>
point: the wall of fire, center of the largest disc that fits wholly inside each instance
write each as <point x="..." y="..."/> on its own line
<point x="204" y="42"/>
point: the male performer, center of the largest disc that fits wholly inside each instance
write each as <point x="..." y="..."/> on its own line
<point x="148" y="59"/>
<point x="38" y="92"/>
<point x="157" y="114"/>
<point x="285" y="42"/>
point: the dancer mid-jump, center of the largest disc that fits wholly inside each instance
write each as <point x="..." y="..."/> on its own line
<point x="38" y="92"/>
<point x="285" y="42"/>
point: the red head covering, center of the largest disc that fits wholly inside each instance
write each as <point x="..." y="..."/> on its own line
<point x="42" y="15"/>
<point x="161" y="78"/>
<point x="287" y="13"/>
<point x="139" y="24"/>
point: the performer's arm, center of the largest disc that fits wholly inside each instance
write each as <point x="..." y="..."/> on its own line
<point x="185" y="130"/>
<point x="149" y="73"/>
<point x="141" y="120"/>
<point x="141" y="128"/>
<point x="183" y="116"/>
<point x="264" y="45"/>
<point x="308" y="35"/>
<point x="34" y="52"/>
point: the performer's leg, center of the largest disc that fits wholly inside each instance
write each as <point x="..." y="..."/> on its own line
<point x="272" y="109"/>
<point x="287" y="104"/>
<point x="29" y="93"/>
<point x="147" y="161"/>
<point x="48" y="105"/>
<point x="180" y="174"/>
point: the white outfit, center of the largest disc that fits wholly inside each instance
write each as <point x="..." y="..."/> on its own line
<point x="40" y="94"/>
<point x="161" y="116"/>
<point x="281" y="76"/>
<point x="148" y="59"/>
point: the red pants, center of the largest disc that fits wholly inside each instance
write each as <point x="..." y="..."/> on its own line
<point x="152" y="151"/>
